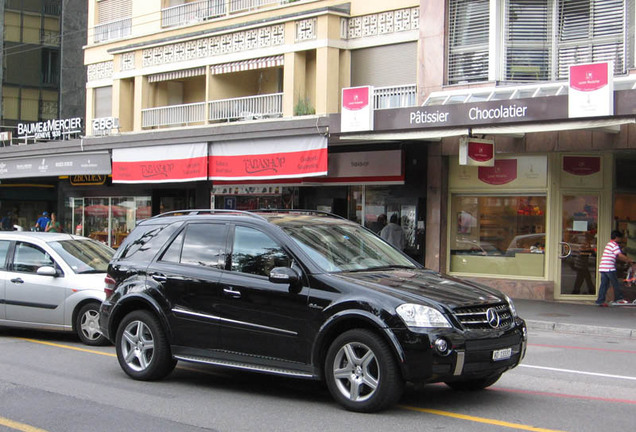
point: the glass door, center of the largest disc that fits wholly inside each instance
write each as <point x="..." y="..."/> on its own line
<point x="578" y="247"/>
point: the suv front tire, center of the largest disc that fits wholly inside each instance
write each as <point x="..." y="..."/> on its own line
<point x="361" y="372"/>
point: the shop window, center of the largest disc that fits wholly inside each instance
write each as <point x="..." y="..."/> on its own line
<point x="108" y="220"/>
<point x="498" y="235"/>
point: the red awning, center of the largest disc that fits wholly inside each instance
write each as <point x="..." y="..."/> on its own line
<point x="160" y="164"/>
<point x="264" y="159"/>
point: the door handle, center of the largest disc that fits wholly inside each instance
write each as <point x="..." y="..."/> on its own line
<point x="159" y="277"/>
<point x="17" y="280"/>
<point x="232" y="292"/>
<point x="566" y="250"/>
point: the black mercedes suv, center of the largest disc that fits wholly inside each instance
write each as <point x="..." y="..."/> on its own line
<point x="302" y="294"/>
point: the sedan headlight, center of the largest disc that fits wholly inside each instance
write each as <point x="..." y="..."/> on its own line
<point x="415" y="315"/>
<point x="511" y="305"/>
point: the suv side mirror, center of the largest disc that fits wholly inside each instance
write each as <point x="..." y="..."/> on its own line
<point x="285" y="275"/>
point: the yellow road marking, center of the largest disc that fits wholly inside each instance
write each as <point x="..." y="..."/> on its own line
<point x="67" y="347"/>
<point x="19" y="426"/>
<point x="516" y="426"/>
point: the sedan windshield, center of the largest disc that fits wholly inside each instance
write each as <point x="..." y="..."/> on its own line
<point x="346" y="247"/>
<point x="84" y="256"/>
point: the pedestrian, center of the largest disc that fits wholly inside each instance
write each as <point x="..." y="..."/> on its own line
<point x="381" y="223"/>
<point x="42" y="222"/>
<point x="393" y="233"/>
<point x="581" y="265"/>
<point x="53" y="225"/>
<point x="7" y="222"/>
<point x="607" y="268"/>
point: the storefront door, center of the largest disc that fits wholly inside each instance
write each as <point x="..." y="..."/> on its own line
<point x="578" y="246"/>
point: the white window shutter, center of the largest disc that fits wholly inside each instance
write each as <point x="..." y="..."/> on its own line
<point x="468" y="41"/>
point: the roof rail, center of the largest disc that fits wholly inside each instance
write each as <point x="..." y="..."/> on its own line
<point x="207" y="212"/>
<point x="301" y="211"/>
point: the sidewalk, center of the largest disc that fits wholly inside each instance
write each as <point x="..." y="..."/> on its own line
<point x="585" y="318"/>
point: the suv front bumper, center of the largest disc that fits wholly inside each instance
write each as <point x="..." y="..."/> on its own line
<point x="467" y="354"/>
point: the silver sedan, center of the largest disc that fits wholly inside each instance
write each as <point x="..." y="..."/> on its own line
<point x="53" y="281"/>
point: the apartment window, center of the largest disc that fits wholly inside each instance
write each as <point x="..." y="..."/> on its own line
<point x="468" y="41"/>
<point x="591" y="31"/>
<point x="50" y="67"/>
<point x="114" y="20"/>
<point x="527" y="40"/>
<point x="539" y="39"/>
<point x="103" y="102"/>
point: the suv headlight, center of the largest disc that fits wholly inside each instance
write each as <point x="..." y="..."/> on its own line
<point x="511" y="305"/>
<point x="415" y="315"/>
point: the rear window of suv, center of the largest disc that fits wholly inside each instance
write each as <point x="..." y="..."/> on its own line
<point x="145" y="241"/>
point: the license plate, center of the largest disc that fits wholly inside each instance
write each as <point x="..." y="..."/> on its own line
<point x="501" y="354"/>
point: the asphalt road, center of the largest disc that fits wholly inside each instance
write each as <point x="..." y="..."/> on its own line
<point x="50" y="382"/>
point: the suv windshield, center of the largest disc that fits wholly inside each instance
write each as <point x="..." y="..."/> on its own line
<point x="345" y="247"/>
<point x="84" y="256"/>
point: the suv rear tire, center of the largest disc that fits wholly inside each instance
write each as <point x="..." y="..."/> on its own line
<point x="361" y="372"/>
<point x="142" y="347"/>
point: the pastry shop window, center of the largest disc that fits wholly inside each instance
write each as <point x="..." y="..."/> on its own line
<point x="498" y="235"/>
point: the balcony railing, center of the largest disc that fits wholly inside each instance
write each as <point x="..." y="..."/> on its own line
<point x="112" y="30"/>
<point x="395" y="97"/>
<point x="174" y="115"/>
<point x="246" y="108"/>
<point x="211" y="9"/>
<point x="192" y="12"/>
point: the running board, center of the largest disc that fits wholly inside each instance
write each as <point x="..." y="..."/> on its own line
<point x="238" y="365"/>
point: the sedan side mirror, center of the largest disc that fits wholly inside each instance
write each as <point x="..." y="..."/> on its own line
<point x="47" y="271"/>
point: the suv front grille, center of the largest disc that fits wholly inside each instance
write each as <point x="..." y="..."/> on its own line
<point x="478" y="317"/>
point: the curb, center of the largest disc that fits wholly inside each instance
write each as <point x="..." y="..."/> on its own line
<point x="581" y="329"/>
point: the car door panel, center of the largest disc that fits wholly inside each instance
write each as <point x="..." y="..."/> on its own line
<point x="188" y="274"/>
<point x="4" y="255"/>
<point x="30" y="297"/>
<point x="261" y="319"/>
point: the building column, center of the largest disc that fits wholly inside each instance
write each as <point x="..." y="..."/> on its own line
<point x="327" y="80"/>
<point x="294" y="81"/>
<point x="141" y="96"/>
<point x="436" y="208"/>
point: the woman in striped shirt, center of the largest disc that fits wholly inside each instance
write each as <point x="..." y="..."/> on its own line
<point x="607" y="268"/>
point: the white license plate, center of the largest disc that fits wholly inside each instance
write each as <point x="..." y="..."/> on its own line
<point x="501" y="354"/>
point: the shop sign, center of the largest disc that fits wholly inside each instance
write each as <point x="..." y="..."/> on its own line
<point x="87" y="180"/>
<point x="581" y="165"/>
<point x="504" y="171"/>
<point x="160" y="164"/>
<point x="489" y="113"/>
<point x="56" y="165"/>
<point x="104" y="125"/>
<point x="476" y="152"/>
<point x="50" y="129"/>
<point x="591" y="90"/>
<point x="384" y="166"/>
<point x="357" y="109"/>
<point x="266" y="159"/>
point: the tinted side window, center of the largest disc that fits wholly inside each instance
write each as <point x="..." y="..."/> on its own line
<point x="4" y="248"/>
<point x="256" y="253"/>
<point x="144" y="241"/>
<point x="199" y="244"/>
<point x="29" y="258"/>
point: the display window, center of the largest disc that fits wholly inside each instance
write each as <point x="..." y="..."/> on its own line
<point x="498" y="235"/>
<point x="106" y="219"/>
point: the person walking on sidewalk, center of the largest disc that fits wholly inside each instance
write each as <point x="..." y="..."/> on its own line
<point x="607" y="268"/>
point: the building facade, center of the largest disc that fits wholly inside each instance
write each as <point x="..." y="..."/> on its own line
<point x="239" y="105"/>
